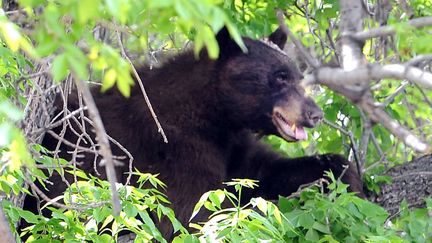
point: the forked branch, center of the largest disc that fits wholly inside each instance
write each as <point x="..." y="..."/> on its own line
<point x="354" y="78"/>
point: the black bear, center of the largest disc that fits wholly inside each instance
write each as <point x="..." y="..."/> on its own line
<point x="212" y="111"/>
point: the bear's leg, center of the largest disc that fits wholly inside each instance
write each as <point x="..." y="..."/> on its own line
<point x="284" y="176"/>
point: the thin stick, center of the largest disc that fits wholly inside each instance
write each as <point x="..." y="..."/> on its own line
<point x="306" y="56"/>
<point x="101" y="136"/>
<point x="390" y="30"/>
<point x="354" y="146"/>
<point x="5" y="232"/>
<point x="75" y="207"/>
<point x="143" y="91"/>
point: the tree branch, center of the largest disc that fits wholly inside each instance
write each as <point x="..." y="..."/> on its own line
<point x="363" y="75"/>
<point x="378" y="115"/>
<point x="101" y="136"/>
<point x="305" y="54"/>
<point x="390" y="30"/>
<point x="5" y="232"/>
<point x="143" y="91"/>
<point x="353" y="79"/>
<point x="351" y="84"/>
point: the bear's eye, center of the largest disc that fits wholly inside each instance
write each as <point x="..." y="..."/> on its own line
<point x="282" y="77"/>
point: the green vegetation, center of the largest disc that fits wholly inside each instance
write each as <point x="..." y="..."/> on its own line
<point x="62" y="33"/>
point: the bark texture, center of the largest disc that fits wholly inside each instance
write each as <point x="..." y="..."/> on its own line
<point x="412" y="182"/>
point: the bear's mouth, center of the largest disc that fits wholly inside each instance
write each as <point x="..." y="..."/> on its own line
<point x="287" y="129"/>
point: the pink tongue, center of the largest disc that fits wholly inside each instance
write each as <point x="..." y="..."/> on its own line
<point x="300" y="133"/>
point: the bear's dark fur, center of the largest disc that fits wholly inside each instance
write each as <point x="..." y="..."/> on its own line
<point x="211" y="111"/>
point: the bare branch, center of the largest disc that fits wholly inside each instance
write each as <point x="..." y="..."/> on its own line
<point x="143" y="91"/>
<point x="364" y="141"/>
<point x="33" y="75"/>
<point x="5" y="231"/>
<point x="306" y="56"/>
<point x="365" y="74"/>
<point x="351" y="85"/>
<point x="54" y="202"/>
<point x="378" y="115"/>
<point x="354" y="146"/>
<point x="103" y="140"/>
<point x="391" y="97"/>
<point x="419" y="59"/>
<point x="390" y="30"/>
<point x="351" y="21"/>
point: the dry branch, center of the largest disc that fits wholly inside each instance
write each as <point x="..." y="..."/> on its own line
<point x="305" y="55"/>
<point x="352" y="84"/>
<point x="101" y="136"/>
<point x="390" y="30"/>
<point x="143" y="91"/>
<point x="5" y="233"/>
<point x="353" y="79"/>
<point x="363" y="75"/>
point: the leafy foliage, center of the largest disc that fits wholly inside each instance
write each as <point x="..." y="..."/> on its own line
<point x="89" y="213"/>
<point x="62" y="32"/>
<point x="311" y="217"/>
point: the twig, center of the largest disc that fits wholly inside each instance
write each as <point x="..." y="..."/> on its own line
<point x="425" y="97"/>
<point x="391" y="97"/>
<point x="5" y="232"/>
<point x="378" y="148"/>
<point x="364" y="142"/>
<point x="33" y="75"/>
<point x="365" y="74"/>
<point x="143" y="91"/>
<point x="75" y="207"/>
<point x="103" y="140"/>
<point x="390" y="30"/>
<point x="378" y="115"/>
<point x="319" y="182"/>
<point x="418" y="59"/>
<point x="306" y="56"/>
<point x="60" y="122"/>
<point x="352" y="141"/>
<point x="115" y="142"/>
<point x="117" y="28"/>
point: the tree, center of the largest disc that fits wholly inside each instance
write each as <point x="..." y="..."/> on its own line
<point x="381" y="121"/>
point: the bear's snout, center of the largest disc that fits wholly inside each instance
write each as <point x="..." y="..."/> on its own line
<point x="313" y="117"/>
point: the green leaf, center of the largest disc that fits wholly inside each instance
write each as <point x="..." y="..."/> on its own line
<point x="312" y="235"/>
<point x="101" y="213"/>
<point x="199" y="204"/>
<point x="211" y="43"/>
<point x="306" y="220"/>
<point x="217" y="197"/>
<point x="77" y="61"/>
<point x="88" y="9"/>
<point x="261" y="204"/>
<point x="5" y="134"/>
<point x="321" y="227"/>
<point x="130" y="209"/>
<point x="124" y="83"/>
<point x="28" y="216"/>
<point x="11" y="111"/>
<point x="30" y="3"/>
<point x="60" y="68"/>
<point x="11" y="35"/>
<point x="47" y="46"/>
<point x="109" y="79"/>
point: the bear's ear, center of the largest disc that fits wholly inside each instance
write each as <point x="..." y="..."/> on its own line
<point x="278" y="37"/>
<point x="227" y="46"/>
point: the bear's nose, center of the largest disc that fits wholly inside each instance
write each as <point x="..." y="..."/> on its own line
<point x="314" y="116"/>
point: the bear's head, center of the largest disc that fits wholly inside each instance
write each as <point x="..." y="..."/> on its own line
<point x="261" y="89"/>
